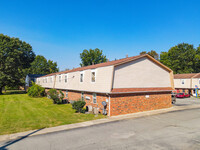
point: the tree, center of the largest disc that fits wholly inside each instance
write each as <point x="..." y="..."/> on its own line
<point x="89" y="57"/>
<point x="197" y="60"/>
<point x="180" y="58"/>
<point x="143" y="52"/>
<point x="152" y="53"/>
<point x="41" y="66"/>
<point x="15" y="56"/>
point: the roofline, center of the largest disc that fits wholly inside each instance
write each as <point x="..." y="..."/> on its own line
<point x="123" y="62"/>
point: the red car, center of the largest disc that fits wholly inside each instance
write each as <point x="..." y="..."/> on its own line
<point x="182" y="95"/>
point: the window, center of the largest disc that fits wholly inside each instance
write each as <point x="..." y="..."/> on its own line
<point x="81" y="77"/>
<point x="93" y="76"/>
<point x="66" y="93"/>
<point x="182" y="81"/>
<point x="50" y="79"/>
<point x="38" y="81"/>
<point x="183" y="91"/>
<point x="65" y="78"/>
<point x="59" y="78"/>
<point x="94" y="98"/>
<point x="199" y="81"/>
<point x="82" y="96"/>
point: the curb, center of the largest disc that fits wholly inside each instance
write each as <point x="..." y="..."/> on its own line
<point x="94" y="122"/>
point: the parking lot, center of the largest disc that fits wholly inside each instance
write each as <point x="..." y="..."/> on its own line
<point x="187" y="101"/>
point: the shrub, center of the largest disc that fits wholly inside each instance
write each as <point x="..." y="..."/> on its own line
<point x="57" y="97"/>
<point x="36" y="91"/>
<point x="78" y="105"/>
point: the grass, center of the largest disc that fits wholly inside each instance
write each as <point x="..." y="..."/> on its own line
<point x="19" y="112"/>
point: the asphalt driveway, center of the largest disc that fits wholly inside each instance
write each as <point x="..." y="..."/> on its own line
<point x="187" y="101"/>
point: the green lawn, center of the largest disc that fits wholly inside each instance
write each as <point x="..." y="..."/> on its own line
<point x="19" y="112"/>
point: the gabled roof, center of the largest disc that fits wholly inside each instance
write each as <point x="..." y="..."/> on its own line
<point x="187" y="76"/>
<point x="112" y="63"/>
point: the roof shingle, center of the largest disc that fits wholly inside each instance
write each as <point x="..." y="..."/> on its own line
<point x="186" y="76"/>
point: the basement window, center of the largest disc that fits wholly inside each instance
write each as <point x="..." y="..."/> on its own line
<point x="66" y="94"/>
<point x="94" y="98"/>
<point x="82" y="96"/>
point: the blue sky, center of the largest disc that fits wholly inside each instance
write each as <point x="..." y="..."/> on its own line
<point x="60" y="30"/>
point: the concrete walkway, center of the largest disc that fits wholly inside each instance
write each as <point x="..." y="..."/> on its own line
<point x="94" y="122"/>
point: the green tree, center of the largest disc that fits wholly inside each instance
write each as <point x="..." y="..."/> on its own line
<point x="41" y="66"/>
<point x="197" y="60"/>
<point x="152" y="53"/>
<point x="15" y="57"/>
<point x="89" y="57"/>
<point x="180" y="58"/>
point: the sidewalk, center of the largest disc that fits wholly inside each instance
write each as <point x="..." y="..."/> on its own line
<point x="94" y="122"/>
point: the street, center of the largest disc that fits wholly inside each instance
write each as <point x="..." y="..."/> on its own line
<point x="173" y="130"/>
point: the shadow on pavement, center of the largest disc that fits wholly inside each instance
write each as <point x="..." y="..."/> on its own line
<point x="4" y="147"/>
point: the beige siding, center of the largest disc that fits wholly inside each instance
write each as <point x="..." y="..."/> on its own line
<point x="139" y="74"/>
<point x="195" y="81"/>
<point x="42" y="81"/>
<point x="178" y="83"/>
<point x="102" y="84"/>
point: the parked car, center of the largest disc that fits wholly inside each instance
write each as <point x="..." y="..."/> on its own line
<point x="186" y="95"/>
<point x="182" y="95"/>
<point x="173" y="98"/>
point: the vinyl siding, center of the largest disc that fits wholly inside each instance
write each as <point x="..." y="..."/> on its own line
<point x="102" y="84"/>
<point x="178" y="84"/>
<point x="140" y="74"/>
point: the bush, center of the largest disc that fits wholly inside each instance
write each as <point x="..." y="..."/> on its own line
<point x="57" y="97"/>
<point x="36" y="91"/>
<point x="78" y="106"/>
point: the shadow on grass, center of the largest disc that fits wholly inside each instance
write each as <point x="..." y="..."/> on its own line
<point x="4" y="147"/>
<point x="14" y="92"/>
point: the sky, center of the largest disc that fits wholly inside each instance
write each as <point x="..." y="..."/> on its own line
<point x="61" y="30"/>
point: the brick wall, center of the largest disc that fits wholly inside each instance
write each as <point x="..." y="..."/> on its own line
<point x="131" y="103"/>
<point x="75" y="95"/>
<point x="124" y="103"/>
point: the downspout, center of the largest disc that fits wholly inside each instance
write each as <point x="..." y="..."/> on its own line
<point x="109" y="107"/>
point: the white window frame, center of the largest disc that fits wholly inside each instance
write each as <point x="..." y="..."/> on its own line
<point x="93" y="71"/>
<point x="94" y="97"/>
<point x="66" y="78"/>
<point x="82" y="96"/>
<point x="66" y="94"/>
<point x="81" y="79"/>
<point x="182" y="81"/>
<point x="59" y="78"/>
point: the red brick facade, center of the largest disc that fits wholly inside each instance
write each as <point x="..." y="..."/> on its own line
<point x="74" y="95"/>
<point x="124" y="103"/>
<point x="131" y="103"/>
